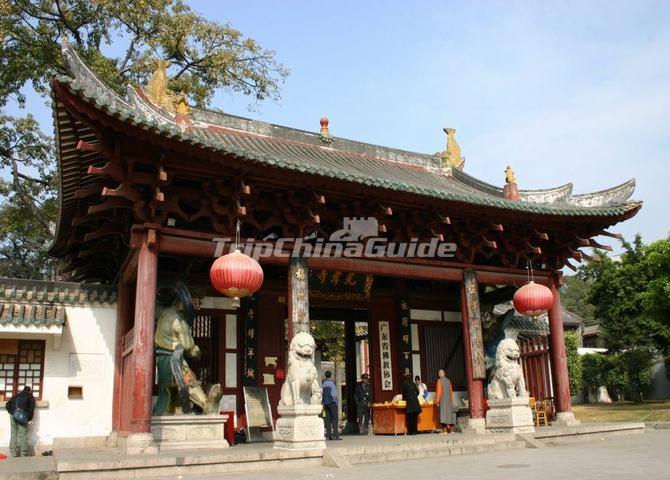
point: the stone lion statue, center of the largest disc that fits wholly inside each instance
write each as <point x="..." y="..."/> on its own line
<point x="506" y="379"/>
<point x="301" y="386"/>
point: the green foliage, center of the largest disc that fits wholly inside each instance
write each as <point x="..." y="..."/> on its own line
<point x="624" y="374"/>
<point x="631" y="299"/>
<point x="575" y="297"/>
<point x="204" y="55"/>
<point x="603" y="370"/>
<point x="329" y="336"/>
<point x="575" y="369"/>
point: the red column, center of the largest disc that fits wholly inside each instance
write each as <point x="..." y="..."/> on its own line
<point x="143" y="351"/>
<point x="475" y="387"/>
<point x="558" y="355"/>
<point x="123" y="314"/>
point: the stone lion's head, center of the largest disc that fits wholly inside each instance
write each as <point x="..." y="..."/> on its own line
<point x="507" y="353"/>
<point x="303" y="345"/>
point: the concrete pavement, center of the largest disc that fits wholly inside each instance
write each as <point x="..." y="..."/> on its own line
<point x="645" y="456"/>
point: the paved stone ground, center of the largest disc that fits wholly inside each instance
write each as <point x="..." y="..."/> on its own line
<point x="644" y="456"/>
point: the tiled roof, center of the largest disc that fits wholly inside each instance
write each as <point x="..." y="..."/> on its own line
<point x="42" y="303"/>
<point x="346" y="160"/>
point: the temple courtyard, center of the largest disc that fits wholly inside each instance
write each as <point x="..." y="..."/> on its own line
<point x="625" y="457"/>
<point x="591" y="450"/>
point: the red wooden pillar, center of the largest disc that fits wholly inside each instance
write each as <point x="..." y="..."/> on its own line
<point x="559" y="361"/>
<point x="143" y="352"/>
<point x="475" y="386"/>
<point x="123" y="322"/>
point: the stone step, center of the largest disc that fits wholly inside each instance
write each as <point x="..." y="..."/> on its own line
<point x="185" y="463"/>
<point x="435" y="450"/>
<point x="409" y="444"/>
<point x="587" y="432"/>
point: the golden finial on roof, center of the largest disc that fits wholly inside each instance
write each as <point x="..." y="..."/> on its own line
<point x="181" y="106"/>
<point x="509" y="175"/>
<point x="451" y="157"/>
<point x="158" y="93"/>
<point x="510" y="190"/>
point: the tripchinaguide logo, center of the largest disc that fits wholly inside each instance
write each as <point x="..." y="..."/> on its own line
<point x="358" y="238"/>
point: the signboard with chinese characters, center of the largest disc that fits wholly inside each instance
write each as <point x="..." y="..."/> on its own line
<point x="339" y="286"/>
<point x="405" y="338"/>
<point x="385" y="354"/>
<point x="257" y="408"/>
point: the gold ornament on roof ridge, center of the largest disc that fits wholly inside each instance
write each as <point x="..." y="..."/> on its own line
<point x="451" y="157"/>
<point x="158" y="92"/>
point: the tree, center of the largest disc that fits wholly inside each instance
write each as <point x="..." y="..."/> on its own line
<point x="575" y="297"/>
<point x="630" y="299"/>
<point x="118" y="40"/>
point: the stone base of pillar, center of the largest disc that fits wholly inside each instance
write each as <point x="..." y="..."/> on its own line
<point x="300" y="427"/>
<point x="138" y="444"/>
<point x="509" y="415"/>
<point x="472" y="425"/>
<point x="565" y="419"/>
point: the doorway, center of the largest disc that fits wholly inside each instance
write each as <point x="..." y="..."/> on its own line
<point x="342" y="340"/>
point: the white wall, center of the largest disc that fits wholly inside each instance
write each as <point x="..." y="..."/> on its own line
<point x="85" y="358"/>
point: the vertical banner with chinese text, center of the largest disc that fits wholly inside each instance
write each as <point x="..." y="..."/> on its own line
<point x="405" y="336"/>
<point x="250" y="372"/>
<point x="385" y="356"/>
<point x="474" y="325"/>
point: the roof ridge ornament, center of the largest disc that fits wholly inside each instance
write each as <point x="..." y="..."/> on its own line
<point x="451" y="157"/>
<point x="510" y="190"/>
<point x="324" y="133"/>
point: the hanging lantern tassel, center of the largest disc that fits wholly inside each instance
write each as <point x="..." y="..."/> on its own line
<point x="236" y="275"/>
<point x="533" y="299"/>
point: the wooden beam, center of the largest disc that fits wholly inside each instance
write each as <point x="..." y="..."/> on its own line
<point x="110" y="169"/>
<point x="109" y="204"/>
<point x="595" y="244"/>
<point x="104" y="231"/>
<point x="605" y="233"/>
<point x="84" y="146"/>
<point x="125" y="190"/>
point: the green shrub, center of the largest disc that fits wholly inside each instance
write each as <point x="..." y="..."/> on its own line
<point x="575" y="368"/>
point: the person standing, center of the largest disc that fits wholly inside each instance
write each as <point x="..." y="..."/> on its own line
<point x="423" y="390"/>
<point x="363" y="398"/>
<point x="329" y="400"/>
<point x="444" y="399"/>
<point x="20" y="408"/>
<point x="410" y="394"/>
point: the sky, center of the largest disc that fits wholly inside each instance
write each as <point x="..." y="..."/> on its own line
<point x="563" y="91"/>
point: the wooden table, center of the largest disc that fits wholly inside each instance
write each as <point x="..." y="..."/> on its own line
<point x="390" y="419"/>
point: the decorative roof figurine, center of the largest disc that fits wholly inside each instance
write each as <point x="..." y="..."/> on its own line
<point x="510" y="190"/>
<point x="509" y="175"/>
<point x="451" y="157"/>
<point x="324" y="133"/>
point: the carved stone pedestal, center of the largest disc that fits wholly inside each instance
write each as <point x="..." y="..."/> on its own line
<point x="299" y="428"/>
<point x="509" y="415"/>
<point x="171" y="432"/>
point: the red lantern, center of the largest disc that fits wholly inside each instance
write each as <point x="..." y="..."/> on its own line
<point x="533" y="299"/>
<point x="236" y="275"/>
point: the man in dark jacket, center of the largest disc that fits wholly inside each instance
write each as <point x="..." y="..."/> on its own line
<point x="24" y="400"/>
<point x="410" y="394"/>
<point x="363" y="398"/>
